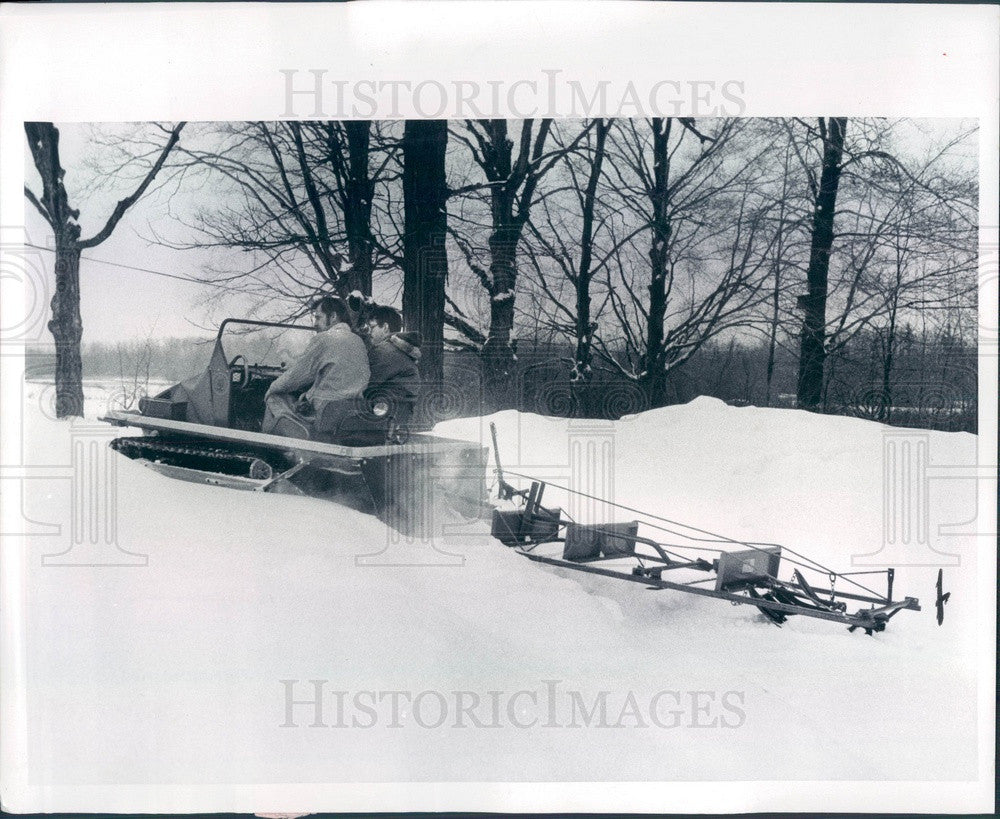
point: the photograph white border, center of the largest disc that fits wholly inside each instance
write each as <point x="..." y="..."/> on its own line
<point x="125" y="62"/>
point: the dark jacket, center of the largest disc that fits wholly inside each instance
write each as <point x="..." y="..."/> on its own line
<point x="393" y="365"/>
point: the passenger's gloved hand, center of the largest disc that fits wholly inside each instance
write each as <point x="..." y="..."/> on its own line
<point x="304" y="406"/>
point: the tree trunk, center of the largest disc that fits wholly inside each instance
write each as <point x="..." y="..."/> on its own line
<point x="653" y="375"/>
<point x="425" y="263"/>
<point x="66" y="326"/>
<point x="358" y="208"/>
<point x="585" y="327"/>
<point x="497" y="353"/>
<point x="512" y="183"/>
<point x="812" y="356"/>
<point x="512" y="186"/>
<point x="776" y="294"/>
<point x="885" y="399"/>
<point x="772" y="341"/>
<point x="585" y="397"/>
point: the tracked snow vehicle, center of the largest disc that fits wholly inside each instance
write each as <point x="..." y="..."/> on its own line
<point x="206" y="429"/>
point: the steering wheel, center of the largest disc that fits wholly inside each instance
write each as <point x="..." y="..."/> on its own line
<point x="238" y="361"/>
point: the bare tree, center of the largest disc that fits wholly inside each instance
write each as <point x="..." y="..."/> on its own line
<point x="831" y="131"/>
<point x="511" y="184"/>
<point x="348" y="150"/>
<point x="66" y="324"/>
<point x="877" y="196"/>
<point x="910" y="254"/>
<point x="870" y="188"/>
<point x="425" y="260"/>
<point x="774" y="319"/>
<point x="298" y="199"/>
<point x="565" y="239"/>
<point x="690" y="194"/>
<point x="134" y="365"/>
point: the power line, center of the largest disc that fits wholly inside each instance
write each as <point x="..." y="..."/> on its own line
<point x="148" y="270"/>
<point x="711" y="536"/>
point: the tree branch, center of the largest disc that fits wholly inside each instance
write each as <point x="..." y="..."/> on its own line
<point x="128" y="201"/>
<point x="466" y="329"/>
<point x="38" y="205"/>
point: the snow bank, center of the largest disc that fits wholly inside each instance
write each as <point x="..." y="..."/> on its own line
<point x="187" y="669"/>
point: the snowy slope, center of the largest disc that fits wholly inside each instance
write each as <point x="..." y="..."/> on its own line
<point x="172" y="672"/>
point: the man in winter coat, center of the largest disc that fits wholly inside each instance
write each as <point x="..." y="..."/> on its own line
<point x="326" y="380"/>
<point x="392" y="357"/>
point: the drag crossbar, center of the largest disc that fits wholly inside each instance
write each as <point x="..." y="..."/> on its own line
<point x="859" y="620"/>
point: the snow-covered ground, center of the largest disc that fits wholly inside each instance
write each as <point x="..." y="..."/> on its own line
<point x="177" y="671"/>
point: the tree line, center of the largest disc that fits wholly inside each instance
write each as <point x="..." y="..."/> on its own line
<point x="621" y="246"/>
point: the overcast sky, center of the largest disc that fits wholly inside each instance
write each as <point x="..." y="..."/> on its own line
<point x="119" y="302"/>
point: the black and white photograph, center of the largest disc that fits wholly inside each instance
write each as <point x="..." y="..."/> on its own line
<point x="517" y="407"/>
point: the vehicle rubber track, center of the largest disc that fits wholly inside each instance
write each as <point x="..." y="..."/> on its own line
<point x="195" y="456"/>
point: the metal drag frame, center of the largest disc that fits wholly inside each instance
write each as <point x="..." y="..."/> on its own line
<point x="748" y="576"/>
